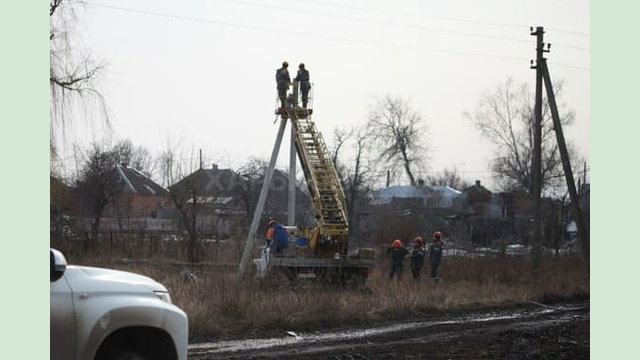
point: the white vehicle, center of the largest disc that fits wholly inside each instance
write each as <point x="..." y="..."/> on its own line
<point x="101" y="314"/>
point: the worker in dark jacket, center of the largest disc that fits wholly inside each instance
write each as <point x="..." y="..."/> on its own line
<point x="283" y="80"/>
<point x="277" y="237"/>
<point x="398" y="253"/>
<point x="435" y="255"/>
<point x="303" y="79"/>
<point x="417" y="257"/>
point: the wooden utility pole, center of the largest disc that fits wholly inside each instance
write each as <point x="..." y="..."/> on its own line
<point x="536" y="168"/>
<point x="583" y="235"/>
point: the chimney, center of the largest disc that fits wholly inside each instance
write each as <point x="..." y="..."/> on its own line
<point x="124" y="164"/>
<point x="420" y="182"/>
<point x="478" y="183"/>
<point x="214" y="166"/>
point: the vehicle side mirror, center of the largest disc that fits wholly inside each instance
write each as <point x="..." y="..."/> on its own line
<point x="58" y="265"/>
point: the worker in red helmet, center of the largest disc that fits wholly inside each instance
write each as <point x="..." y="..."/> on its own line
<point x="398" y="253"/>
<point x="417" y="257"/>
<point x="435" y="255"/>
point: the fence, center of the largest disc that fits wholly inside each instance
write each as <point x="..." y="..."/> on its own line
<point x="142" y="245"/>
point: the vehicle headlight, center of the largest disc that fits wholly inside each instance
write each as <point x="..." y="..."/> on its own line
<point x="164" y="296"/>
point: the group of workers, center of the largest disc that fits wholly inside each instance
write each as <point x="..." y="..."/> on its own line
<point x="284" y="81"/>
<point x="277" y="240"/>
<point x="417" y="256"/>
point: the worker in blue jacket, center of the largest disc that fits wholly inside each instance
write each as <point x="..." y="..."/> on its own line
<point x="277" y="237"/>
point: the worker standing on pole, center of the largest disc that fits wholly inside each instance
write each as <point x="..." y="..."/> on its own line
<point x="283" y="80"/>
<point x="303" y="78"/>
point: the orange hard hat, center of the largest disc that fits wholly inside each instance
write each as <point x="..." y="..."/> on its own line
<point x="397" y="243"/>
<point x="271" y="222"/>
<point x="437" y="234"/>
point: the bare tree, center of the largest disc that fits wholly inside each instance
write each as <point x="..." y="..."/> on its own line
<point x="450" y="178"/>
<point x="400" y="134"/>
<point x="98" y="184"/>
<point x="137" y="157"/>
<point x="72" y="72"/>
<point x="340" y="138"/>
<point x="506" y="118"/>
<point x="185" y="190"/>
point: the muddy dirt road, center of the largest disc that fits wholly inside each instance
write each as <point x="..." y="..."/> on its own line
<point x="530" y="332"/>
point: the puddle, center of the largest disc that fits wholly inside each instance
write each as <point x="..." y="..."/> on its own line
<point x="346" y="335"/>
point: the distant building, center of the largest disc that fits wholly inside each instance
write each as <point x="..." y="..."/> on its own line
<point x="224" y="201"/>
<point x="136" y="203"/>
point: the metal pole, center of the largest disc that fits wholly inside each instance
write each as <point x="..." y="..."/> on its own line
<point x="291" y="206"/>
<point x="583" y="234"/>
<point x="261" y="200"/>
<point x="536" y="167"/>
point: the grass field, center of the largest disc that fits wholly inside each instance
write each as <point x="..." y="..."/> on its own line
<point x="218" y="305"/>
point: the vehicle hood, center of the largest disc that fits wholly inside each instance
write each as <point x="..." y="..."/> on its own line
<point x="91" y="279"/>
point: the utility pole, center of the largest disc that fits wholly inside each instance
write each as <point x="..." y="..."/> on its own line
<point x="583" y="235"/>
<point x="291" y="201"/>
<point x="536" y="166"/>
<point x="266" y="182"/>
<point x="200" y="158"/>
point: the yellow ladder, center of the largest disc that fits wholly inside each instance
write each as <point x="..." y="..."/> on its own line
<point x="326" y="191"/>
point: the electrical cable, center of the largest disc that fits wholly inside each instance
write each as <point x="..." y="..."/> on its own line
<point x="327" y="37"/>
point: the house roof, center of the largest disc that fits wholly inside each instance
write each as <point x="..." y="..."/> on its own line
<point x="445" y="194"/>
<point x="136" y="182"/>
<point x="386" y="195"/>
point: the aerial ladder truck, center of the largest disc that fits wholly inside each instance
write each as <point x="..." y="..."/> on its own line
<point x="325" y="253"/>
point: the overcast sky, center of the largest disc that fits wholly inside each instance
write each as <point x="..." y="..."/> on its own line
<point x="202" y="71"/>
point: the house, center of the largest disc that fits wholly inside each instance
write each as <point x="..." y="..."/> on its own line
<point x="223" y="201"/>
<point x="63" y="204"/>
<point x="132" y="201"/>
<point x="409" y="211"/>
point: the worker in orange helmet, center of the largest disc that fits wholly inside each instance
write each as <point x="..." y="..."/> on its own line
<point x="398" y="253"/>
<point x="277" y="238"/>
<point x="417" y="257"/>
<point x="435" y="255"/>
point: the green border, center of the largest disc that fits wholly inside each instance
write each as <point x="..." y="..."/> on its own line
<point x="614" y="129"/>
<point x="24" y="148"/>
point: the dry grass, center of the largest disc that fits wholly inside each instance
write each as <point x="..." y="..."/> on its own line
<point x="217" y="305"/>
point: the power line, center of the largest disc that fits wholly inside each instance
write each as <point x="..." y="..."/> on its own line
<point x="396" y="25"/>
<point x="422" y="15"/>
<point x="327" y="37"/>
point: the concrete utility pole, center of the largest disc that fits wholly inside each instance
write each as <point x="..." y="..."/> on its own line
<point x="251" y="237"/>
<point x="583" y="235"/>
<point x="291" y="205"/>
<point x="536" y="166"/>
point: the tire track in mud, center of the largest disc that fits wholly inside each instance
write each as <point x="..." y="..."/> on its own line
<point x="441" y="329"/>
